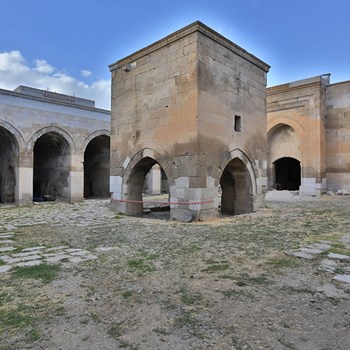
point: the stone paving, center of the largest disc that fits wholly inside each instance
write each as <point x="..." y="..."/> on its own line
<point x="12" y="255"/>
<point x="338" y="264"/>
<point x="95" y="213"/>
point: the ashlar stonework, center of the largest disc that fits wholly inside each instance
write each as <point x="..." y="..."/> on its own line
<point x="52" y="146"/>
<point x="195" y="104"/>
<point x="309" y="136"/>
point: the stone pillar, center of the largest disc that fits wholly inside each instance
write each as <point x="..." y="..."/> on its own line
<point x="202" y="202"/>
<point x="24" y="185"/>
<point x="24" y="178"/>
<point x="154" y="180"/>
<point x="76" y="179"/>
<point x="115" y="187"/>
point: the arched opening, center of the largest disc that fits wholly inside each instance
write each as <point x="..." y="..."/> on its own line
<point x="139" y="191"/>
<point x="8" y="161"/>
<point x="287" y="174"/>
<point x="284" y="142"/>
<point x="96" y="168"/>
<point x="236" y="186"/>
<point x="51" y="167"/>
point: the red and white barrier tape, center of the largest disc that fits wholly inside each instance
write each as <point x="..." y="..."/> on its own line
<point x="162" y="203"/>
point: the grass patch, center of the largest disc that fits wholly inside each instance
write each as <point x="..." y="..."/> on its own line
<point x="2" y="263"/>
<point x="45" y="272"/>
<point x="239" y="345"/>
<point x="295" y="290"/>
<point x="127" y="345"/>
<point x="161" y="331"/>
<point x="18" y="317"/>
<point x="192" y="248"/>
<point x="127" y="294"/>
<point x="186" y="320"/>
<point x="149" y="256"/>
<point x="189" y="298"/>
<point x="283" y="262"/>
<point x="140" y="266"/>
<point x="339" y="248"/>
<point x="216" y="266"/>
<point x="245" y="280"/>
<point x="233" y="293"/>
<point x="331" y="237"/>
<point x="34" y="335"/>
<point x="116" y="330"/>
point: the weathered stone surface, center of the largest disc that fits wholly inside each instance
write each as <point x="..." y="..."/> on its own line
<point x="197" y="112"/>
<point x="308" y="122"/>
<point x="311" y="250"/>
<point x="321" y="246"/>
<point x="328" y="265"/>
<point x="6" y="249"/>
<point x="300" y="254"/>
<point x="54" y="132"/>
<point x="32" y="249"/>
<point x="5" y="268"/>
<point x="338" y="256"/>
<point x="29" y="263"/>
<point x="6" y="241"/>
<point x="343" y="278"/>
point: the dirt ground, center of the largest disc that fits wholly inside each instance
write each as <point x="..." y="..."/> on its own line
<point x="155" y="284"/>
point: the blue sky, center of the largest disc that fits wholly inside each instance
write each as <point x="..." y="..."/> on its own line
<point x="66" y="46"/>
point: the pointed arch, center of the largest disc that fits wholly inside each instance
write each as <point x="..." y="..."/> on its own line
<point x="253" y="172"/>
<point x="97" y="166"/>
<point x="238" y="184"/>
<point x="90" y="137"/>
<point x="52" y="129"/>
<point x="138" y="167"/>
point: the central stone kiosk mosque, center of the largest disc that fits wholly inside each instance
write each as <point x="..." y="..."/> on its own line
<point x="193" y="103"/>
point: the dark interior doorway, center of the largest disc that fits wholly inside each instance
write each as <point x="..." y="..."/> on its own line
<point x="287" y="174"/>
<point x="8" y="194"/>
<point x="235" y="182"/>
<point x="8" y="163"/>
<point x="96" y="168"/>
<point x="51" y="167"/>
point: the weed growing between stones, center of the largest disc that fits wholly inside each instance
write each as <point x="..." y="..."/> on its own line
<point x="45" y="272"/>
<point x="339" y="248"/>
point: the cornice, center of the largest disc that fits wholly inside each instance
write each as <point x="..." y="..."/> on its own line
<point x="51" y="101"/>
<point x="302" y="84"/>
<point x="198" y="27"/>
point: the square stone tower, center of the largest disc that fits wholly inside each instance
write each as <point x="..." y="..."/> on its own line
<point x="195" y="103"/>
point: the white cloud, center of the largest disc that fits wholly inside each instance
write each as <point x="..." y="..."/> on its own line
<point x="43" y="67"/>
<point x="85" y="73"/>
<point x="14" y="71"/>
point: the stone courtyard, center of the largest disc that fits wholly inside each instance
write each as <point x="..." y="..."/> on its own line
<point x="274" y="279"/>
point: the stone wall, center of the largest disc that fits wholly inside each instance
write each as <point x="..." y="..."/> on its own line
<point x="309" y="121"/>
<point x="44" y="139"/>
<point x="174" y="104"/>
<point x="296" y="129"/>
<point x="338" y="136"/>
